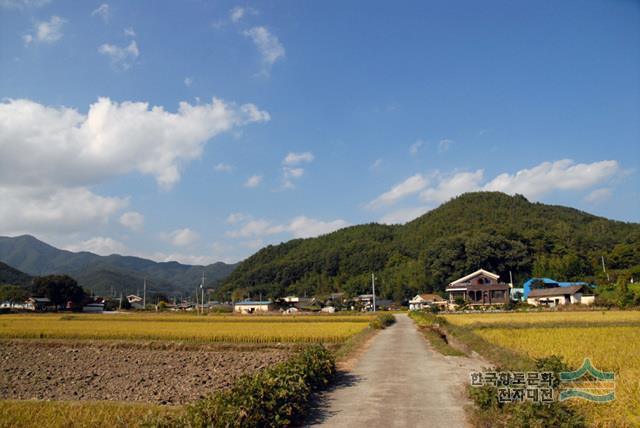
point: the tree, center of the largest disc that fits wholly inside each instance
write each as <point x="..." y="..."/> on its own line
<point x="13" y="294"/>
<point x="60" y="289"/>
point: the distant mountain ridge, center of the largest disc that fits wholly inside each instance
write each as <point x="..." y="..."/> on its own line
<point x="491" y="230"/>
<point x="107" y="274"/>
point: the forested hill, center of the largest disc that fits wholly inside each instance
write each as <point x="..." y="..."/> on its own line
<point x="9" y="275"/>
<point x="489" y="230"/>
<point x="106" y="275"/>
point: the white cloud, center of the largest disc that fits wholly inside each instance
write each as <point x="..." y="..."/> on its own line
<point x="411" y="185"/>
<point x="452" y="185"/>
<point x="268" y="45"/>
<point x="103" y="11"/>
<point x="238" y="13"/>
<point x="443" y="145"/>
<point x="559" y="175"/>
<point x="598" y="196"/>
<point x="132" y="220"/>
<point x="298" y="227"/>
<point x="182" y="237"/>
<point x="129" y="32"/>
<point x="50" y="157"/>
<point x="376" y="165"/>
<point x="50" y="209"/>
<point x="234" y="218"/>
<point x="122" y="58"/>
<point x="297" y="158"/>
<point x="188" y="81"/>
<point x="23" y="4"/>
<point x="99" y="245"/>
<point x="404" y="215"/>
<point x="58" y="145"/>
<point x="293" y="172"/>
<point x="223" y="167"/>
<point x="253" y="181"/>
<point x="46" y="31"/>
<point x="415" y="147"/>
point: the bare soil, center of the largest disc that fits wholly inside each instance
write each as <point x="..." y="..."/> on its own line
<point x="81" y="371"/>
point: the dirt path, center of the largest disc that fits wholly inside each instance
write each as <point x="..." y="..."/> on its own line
<point x="400" y="381"/>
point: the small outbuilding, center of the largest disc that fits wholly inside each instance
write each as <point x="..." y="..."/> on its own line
<point x="425" y="301"/>
<point x="556" y="296"/>
<point x="253" y="306"/>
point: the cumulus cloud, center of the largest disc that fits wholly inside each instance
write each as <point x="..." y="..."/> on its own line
<point x="182" y="237"/>
<point x="132" y="220"/>
<point x="290" y="171"/>
<point x="404" y="215"/>
<point x="45" y="209"/>
<point x="59" y="145"/>
<point x="598" y="196"/>
<point x="50" y="157"/>
<point x="223" y="167"/>
<point x="103" y="11"/>
<point x="451" y="185"/>
<point x="559" y="175"/>
<point x="46" y="31"/>
<point x="234" y="218"/>
<point x="129" y="32"/>
<point x="411" y="185"/>
<point x="253" y="181"/>
<point x="268" y="45"/>
<point x="99" y="245"/>
<point x="122" y="58"/>
<point x="296" y="158"/>
<point x="298" y="227"/>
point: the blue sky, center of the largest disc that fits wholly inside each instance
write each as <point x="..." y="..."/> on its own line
<point x="200" y="131"/>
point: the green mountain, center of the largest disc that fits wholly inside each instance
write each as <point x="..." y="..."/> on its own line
<point x="12" y="276"/>
<point x="504" y="234"/>
<point x="108" y="275"/>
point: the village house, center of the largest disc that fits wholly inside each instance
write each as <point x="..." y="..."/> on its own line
<point x="556" y="296"/>
<point x="39" y="304"/>
<point x="425" y="301"/>
<point x="480" y="288"/>
<point x="253" y="306"/>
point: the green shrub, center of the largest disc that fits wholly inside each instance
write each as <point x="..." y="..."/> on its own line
<point x="276" y="396"/>
<point x="382" y="321"/>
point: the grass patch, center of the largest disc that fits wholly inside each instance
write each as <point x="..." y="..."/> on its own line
<point x="80" y="414"/>
<point x="429" y="325"/>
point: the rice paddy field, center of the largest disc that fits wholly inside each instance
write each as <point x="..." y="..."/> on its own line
<point x="88" y="370"/>
<point x="611" y="339"/>
<point x="214" y="328"/>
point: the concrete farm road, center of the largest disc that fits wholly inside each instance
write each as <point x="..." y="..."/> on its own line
<point x="399" y="381"/>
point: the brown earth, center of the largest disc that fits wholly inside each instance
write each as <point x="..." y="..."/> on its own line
<point x="95" y="371"/>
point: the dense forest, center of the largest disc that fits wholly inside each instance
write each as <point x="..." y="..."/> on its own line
<point x="489" y="230"/>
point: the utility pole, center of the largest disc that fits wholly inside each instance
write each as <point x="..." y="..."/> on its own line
<point x="604" y="269"/>
<point x="373" y="287"/>
<point x="202" y="291"/>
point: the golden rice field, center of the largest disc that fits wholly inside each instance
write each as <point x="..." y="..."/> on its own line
<point x="190" y="328"/>
<point x="536" y="318"/>
<point x="610" y="347"/>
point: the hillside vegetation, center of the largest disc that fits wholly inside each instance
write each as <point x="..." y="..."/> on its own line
<point x="9" y="275"/>
<point x="489" y="230"/>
